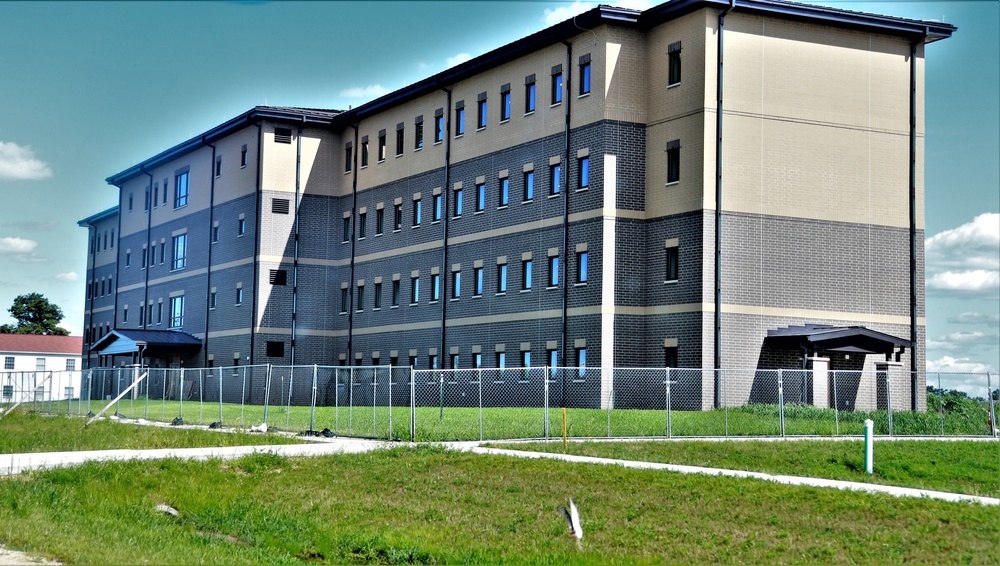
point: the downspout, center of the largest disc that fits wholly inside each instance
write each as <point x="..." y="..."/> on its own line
<point x="913" y="224"/>
<point x="114" y="312"/>
<point x="444" y="212"/>
<point x="718" y="206"/>
<point x="93" y="278"/>
<point x="256" y="244"/>
<point x="145" y="259"/>
<point x="565" y="212"/>
<point x="295" y="256"/>
<point x="354" y="225"/>
<point x="211" y="217"/>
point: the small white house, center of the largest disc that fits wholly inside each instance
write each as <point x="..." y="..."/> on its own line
<point x="39" y="367"/>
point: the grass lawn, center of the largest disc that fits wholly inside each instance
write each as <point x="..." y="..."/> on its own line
<point x="24" y="432"/>
<point x="463" y="423"/>
<point x="957" y="466"/>
<point x="432" y="506"/>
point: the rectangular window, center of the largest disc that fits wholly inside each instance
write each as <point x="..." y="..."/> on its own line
<point x="379" y="221"/>
<point x="180" y="190"/>
<point x="145" y="205"/>
<point x="505" y="103"/>
<point x="395" y="293"/>
<point x="454" y="361"/>
<point x="418" y="133"/>
<point x="481" y="115"/>
<point x="555" y="179"/>
<point x="477" y="360"/>
<point x="397" y="221"/>
<point x="345" y="299"/>
<point x="244" y="154"/>
<point x="275" y="349"/>
<point x="674" y="64"/>
<point x="525" y="359"/>
<point x="215" y="234"/>
<point x="501" y="360"/>
<point x="125" y="314"/>
<point x="585" y="74"/>
<point x="504" y="191"/>
<point x="553" y="359"/>
<point x="177" y="312"/>
<point x="581" y="362"/>
<point x="459" y="118"/>
<point x="239" y="295"/>
<point x="381" y="145"/>
<point x="529" y="185"/>
<point x="438" y="206"/>
<point x="364" y="151"/>
<point x="164" y="191"/>
<point x="581" y="267"/>
<point x="218" y="166"/>
<point x="435" y="287"/>
<point x="346" y="229"/>
<point x="156" y="194"/>
<point x="554" y="271"/>
<point x="480" y="197"/>
<point x="152" y="255"/>
<point x="130" y="202"/>
<point x="159" y="313"/>
<point x="529" y="94"/>
<point x="583" y="173"/>
<point x="361" y="298"/>
<point x="414" y="290"/>
<point x="145" y="257"/>
<point x="39" y="364"/>
<point x="526" y="274"/>
<point x="213" y="300"/>
<point x="456" y="284"/>
<point x="477" y="276"/>
<point x="416" y="212"/>
<point x="142" y="316"/>
<point x="399" y="140"/>
<point x="378" y="296"/>
<point x="8" y="362"/>
<point x="502" y="278"/>
<point x="458" y="202"/>
<point x="413" y="362"/>
<point x="557" y="84"/>
<point x="671" y="264"/>
<point x="673" y="161"/>
<point x="432" y="361"/>
<point x="180" y="252"/>
<point x="362" y="224"/>
<point x="348" y="158"/>
<point x="438" y="128"/>
<point x="670" y="356"/>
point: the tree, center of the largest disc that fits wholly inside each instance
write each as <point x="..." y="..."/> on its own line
<point x="34" y="315"/>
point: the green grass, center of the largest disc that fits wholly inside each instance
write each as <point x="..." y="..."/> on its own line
<point x="24" y="432"/>
<point x="463" y="423"/>
<point x="427" y="505"/>
<point x="957" y="466"/>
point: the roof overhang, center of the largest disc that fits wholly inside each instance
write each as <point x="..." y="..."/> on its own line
<point x="146" y="342"/>
<point x="103" y="215"/>
<point x="847" y="339"/>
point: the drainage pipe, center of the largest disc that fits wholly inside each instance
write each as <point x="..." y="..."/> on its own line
<point x="208" y="273"/>
<point x="565" y="213"/>
<point x="913" y="225"/>
<point x="145" y="252"/>
<point x="354" y="225"/>
<point x="295" y="256"/>
<point x="256" y="245"/>
<point x="444" y="212"/>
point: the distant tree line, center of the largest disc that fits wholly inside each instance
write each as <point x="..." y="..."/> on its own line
<point x="34" y="314"/>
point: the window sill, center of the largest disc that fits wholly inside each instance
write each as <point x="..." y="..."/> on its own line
<point x="376" y="309"/>
<point x="379" y="234"/>
<point x="477" y="212"/>
<point x="525" y="291"/>
<point x="669" y="86"/>
<point x="477" y="296"/>
<point x="416" y="149"/>
<point x="529" y="201"/>
<point x="481" y="128"/>
<point x="394" y="307"/>
<point x="550" y="287"/>
<point x="361" y="238"/>
<point x="453" y="300"/>
<point x="395" y="230"/>
<point x="555" y="195"/>
<point x="398" y="155"/>
<point x="671" y="183"/>
<point x="343" y="312"/>
<point x="582" y="189"/>
<point x="414" y="304"/>
<point x="180" y="206"/>
<point x="456" y="217"/>
<point x="505" y="120"/>
<point x="501" y="294"/>
<point x="502" y="207"/>
<point x="237" y="304"/>
<point x="529" y="112"/>
<point x="584" y="95"/>
<point x="433" y="222"/>
<point x="554" y="104"/>
<point x="414" y="227"/>
<point x="459" y="135"/>
<point x="364" y="167"/>
<point x="345" y="241"/>
<point x="380" y="161"/>
<point x="348" y="172"/>
<point x="239" y="235"/>
<point x="583" y="284"/>
<point x="438" y="142"/>
<point x="670" y="282"/>
<point x="432" y="302"/>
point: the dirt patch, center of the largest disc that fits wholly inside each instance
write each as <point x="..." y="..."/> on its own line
<point x="17" y="558"/>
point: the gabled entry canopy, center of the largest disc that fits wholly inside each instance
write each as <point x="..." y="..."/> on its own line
<point x="850" y="339"/>
<point x="148" y="343"/>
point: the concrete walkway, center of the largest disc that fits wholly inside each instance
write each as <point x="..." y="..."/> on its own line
<point x="17" y="463"/>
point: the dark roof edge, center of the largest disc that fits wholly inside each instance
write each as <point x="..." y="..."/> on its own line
<point x="98" y="217"/>
<point x="255" y="114"/>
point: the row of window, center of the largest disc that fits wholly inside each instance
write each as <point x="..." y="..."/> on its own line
<point x="482" y="115"/>
<point x="475" y="360"/>
<point x="458" y="200"/>
<point x="478" y="283"/>
<point x="8" y="363"/>
<point x="105" y="287"/>
<point x="175" y="313"/>
<point x="178" y="246"/>
<point x="181" y="185"/>
<point x="97" y="240"/>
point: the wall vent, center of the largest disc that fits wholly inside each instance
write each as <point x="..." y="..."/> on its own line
<point x="282" y="135"/>
<point x="279" y="206"/>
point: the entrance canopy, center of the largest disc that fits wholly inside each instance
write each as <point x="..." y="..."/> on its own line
<point x="147" y="343"/>
<point x="849" y="339"/>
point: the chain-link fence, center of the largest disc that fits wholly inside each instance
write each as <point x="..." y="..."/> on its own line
<point x="492" y="404"/>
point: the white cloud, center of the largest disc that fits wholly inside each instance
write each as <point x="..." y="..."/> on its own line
<point x="965" y="261"/>
<point x="457" y="59"/>
<point x="29" y="258"/>
<point x="962" y="340"/>
<point x="16" y="245"/>
<point x="552" y="17"/>
<point x="976" y="318"/>
<point x="67" y="277"/>
<point x="19" y="163"/>
<point x="957" y="365"/>
<point x="369" y="92"/>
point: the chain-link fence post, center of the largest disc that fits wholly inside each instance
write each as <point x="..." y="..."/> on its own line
<point x="201" y="396"/>
<point x="666" y="381"/>
<point x="993" y="415"/>
<point x="312" y="402"/>
<point x="180" y="395"/>
<point x="413" y="406"/>
<point x="836" y="405"/>
<point x="374" y="404"/>
<point x="720" y="387"/>
<point x="781" y="402"/>
<point x="243" y="396"/>
<point x="267" y="391"/>
<point x="545" y="396"/>
<point x="888" y="398"/>
<point x="390" y="402"/>
<point x="480" y="405"/>
<point x="350" y="401"/>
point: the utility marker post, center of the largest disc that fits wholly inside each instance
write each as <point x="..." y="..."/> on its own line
<point x="869" y="447"/>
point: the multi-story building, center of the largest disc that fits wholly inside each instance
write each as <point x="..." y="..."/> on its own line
<point x="702" y="184"/>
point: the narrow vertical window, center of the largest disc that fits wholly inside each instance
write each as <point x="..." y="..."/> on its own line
<point x="362" y="225"/>
<point x="435" y="287"/>
<point x="477" y="360"/>
<point x="439" y="125"/>
<point x="525" y="359"/>
<point x="674" y="64"/>
<point x="215" y="234"/>
<point x="673" y="161"/>
<point x="364" y="151"/>
<point x="670" y="356"/>
<point x="395" y="292"/>
<point x="581" y="362"/>
<point x="418" y="133"/>
<point x="397" y="219"/>
<point x="361" y="298"/>
<point x="454" y="361"/>
<point x="526" y="274"/>
<point x="379" y="221"/>
<point x="432" y="361"/>
<point x="438" y="202"/>
<point x="218" y="166"/>
<point x="501" y="360"/>
<point x="555" y="179"/>
<point x="346" y="229"/>
<point x="557" y="84"/>
<point x="381" y="145"/>
<point x="244" y="156"/>
<point x="581" y="267"/>
<point x="459" y="118"/>
<point x="239" y="295"/>
<point x="477" y="277"/>
<point x="481" y="115"/>
<point x="377" y="299"/>
<point x="585" y="74"/>
<point x="554" y="271"/>
<point x="456" y="284"/>
<point x="399" y="139"/>
<point x="529" y="94"/>
<point x="177" y="312"/>
<point x="504" y="191"/>
<point x="241" y="227"/>
<point x="345" y="299"/>
<point x="502" y="278"/>
<point x="348" y="153"/>
<point x="156" y="194"/>
<point x="180" y="190"/>
<point x="505" y="102"/>
<point x="414" y="290"/>
<point x="458" y="202"/>
<point x="529" y="185"/>
<point x="213" y="300"/>
<point x="583" y="173"/>
<point x="416" y="212"/>
<point x="180" y="252"/>
<point x="672" y="264"/>
<point x="553" y="358"/>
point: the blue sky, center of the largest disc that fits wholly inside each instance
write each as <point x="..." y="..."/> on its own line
<point x="91" y="88"/>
